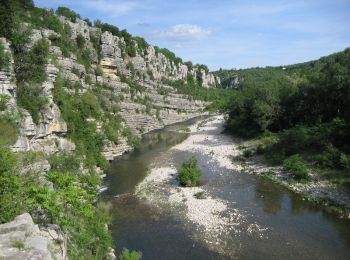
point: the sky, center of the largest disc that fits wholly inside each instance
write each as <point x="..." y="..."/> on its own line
<point x="228" y="33"/>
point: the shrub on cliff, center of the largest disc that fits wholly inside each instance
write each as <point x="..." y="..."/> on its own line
<point x="30" y="73"/>
<point x="68" y="13"/>
<point x="189" y="174"/>
<point x="8" y="129"/>
<point x="9" y="184"/>
<point x="4" y="58"/>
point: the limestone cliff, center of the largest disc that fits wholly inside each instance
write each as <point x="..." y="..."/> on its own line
<point x="22" y="239"/>
<point x="135" y="90"/>
<point x="158" y="104"/>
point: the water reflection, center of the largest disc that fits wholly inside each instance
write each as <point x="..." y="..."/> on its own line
<point x="297" y="228"/>
<point x="270" y="198"/>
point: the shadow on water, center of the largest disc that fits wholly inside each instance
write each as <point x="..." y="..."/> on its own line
<point x="297" y="229"/>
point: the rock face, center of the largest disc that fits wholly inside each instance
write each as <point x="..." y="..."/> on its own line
<point x="137" y="88"/>
<point x="153" y="106"/>
<point x="48" y="135"/>
<point x="21" y="239"/>
<point x="7" y="83"/>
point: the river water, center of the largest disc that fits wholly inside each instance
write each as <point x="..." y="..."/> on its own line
<point x="293" y="228"/>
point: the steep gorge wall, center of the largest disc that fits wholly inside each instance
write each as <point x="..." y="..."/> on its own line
<point x="134" y="86"/>
<point x="155" y="106"/>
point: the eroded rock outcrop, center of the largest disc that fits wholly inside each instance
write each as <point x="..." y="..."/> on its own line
<point x="21" y="239"/>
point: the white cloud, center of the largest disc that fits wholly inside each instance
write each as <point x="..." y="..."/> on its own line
<point x="182" y="32"/>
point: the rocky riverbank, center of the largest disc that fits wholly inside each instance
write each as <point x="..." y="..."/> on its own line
<point x="215" y="219"/>
<point x="332" y="197"/>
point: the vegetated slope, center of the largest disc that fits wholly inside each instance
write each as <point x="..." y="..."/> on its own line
<point x="72" y="97"/>
<point x="301" y="113"/>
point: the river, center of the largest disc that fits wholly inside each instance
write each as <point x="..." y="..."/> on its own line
<point x="288" y="226"/>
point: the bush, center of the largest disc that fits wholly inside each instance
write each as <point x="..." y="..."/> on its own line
<point x="4" y="99"/>
<point x="247" y="153"/>
<point x="127" y="255"/>
<point x="4" y="58"/>
<point x="10" y="205"/>
<point x="200" y="195"/>
<point x="98" y="71"/>
<point x="80" y="41"/>
<point x="30" y="73"/>
<point x="296" y="166"/>
<point x="189" y="174"/>
<point x="31" y="65"/>
<point x="64" y="11"/>
<point x="30" y="97"/>
<point x="8" y="130"/>
<point x="345" y="161"/>
<point x="329" y="158"/>
<point x="65" y="162"/>
<point x="111" y="129"/>
<point x="75" y="111"/>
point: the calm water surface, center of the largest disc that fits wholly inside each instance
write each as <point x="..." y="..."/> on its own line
<point x="296" y="229"/>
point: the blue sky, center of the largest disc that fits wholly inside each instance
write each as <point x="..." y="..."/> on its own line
<point x="228" y="33"/>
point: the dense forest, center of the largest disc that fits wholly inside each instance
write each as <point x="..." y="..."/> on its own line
<point x="300" y="114"/>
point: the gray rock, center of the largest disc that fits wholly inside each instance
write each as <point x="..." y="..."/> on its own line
<point x="21" y="239"/>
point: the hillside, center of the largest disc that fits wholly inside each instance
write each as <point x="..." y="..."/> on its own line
<point x="297" y="116"/>
<point x="72" y="97"/>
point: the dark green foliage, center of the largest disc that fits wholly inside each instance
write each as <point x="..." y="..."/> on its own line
<point x="296" y="166"/>
<point x="80" y="41"/>
<point x="4" y="58"/>
<point x="31" y="98"/>
<point x="4" y="99"/>
<point x="200" y="195"/>
<point x="141" y="43"/>
<point x="31" y="65"/>
<point x="84" y="57"/>
<point x="189" y="174"/>
<point x="30" y="68"/>
<point x="7" y="18"/>
<point x="203" y="67"/>
<point x="168" y="54"/>
<point x="98" y="71"/>
<point x="247" y="153"/>
<point x="43" y="18"/>
<point x="111" y="129"/>
<point x="128" y="38"/>
<point x="8" y="129"/>
<point x="219" y="97"/>
<point x="89" y="23"/>
<point x="66" y="44"/>
<point x="65" y="162"/>
<point x="95" y="40"/>
<point x="75" y="111"/>
<point x="132" y="140"/>
<point x="306" y="105"/>
<point x="127" y="255"/>
<point x="70" y="206"/>
<point x="8" y="12"/>
<point x="105" y="27"/>
<point x="70" y="14"/>
<point x="10" y="204"/>
<point x="189" y="65"/>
